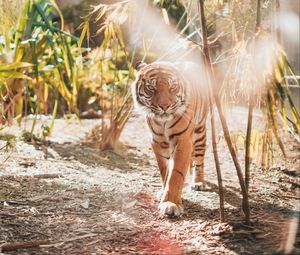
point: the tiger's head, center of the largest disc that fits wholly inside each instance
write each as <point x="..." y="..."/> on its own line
<point x="159" y="89"/>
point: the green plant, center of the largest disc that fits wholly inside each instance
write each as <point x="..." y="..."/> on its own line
<point x="10" y="142"/>
<point x="39" y="62"/>
<point x="256" y="71"/>
<point x="116" y="73"/>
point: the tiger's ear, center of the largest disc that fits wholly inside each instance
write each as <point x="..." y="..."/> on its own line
<point x="139" y="65"/>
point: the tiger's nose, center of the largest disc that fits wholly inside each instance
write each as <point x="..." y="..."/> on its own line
<point x="164" y="106"/>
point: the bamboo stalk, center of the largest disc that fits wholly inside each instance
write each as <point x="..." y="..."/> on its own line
<point x="207" y="59"/>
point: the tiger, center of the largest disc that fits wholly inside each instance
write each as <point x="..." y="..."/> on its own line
<point x="175" y="103"/>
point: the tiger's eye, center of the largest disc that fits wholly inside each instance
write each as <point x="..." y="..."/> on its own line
<point x="150" y="87"/>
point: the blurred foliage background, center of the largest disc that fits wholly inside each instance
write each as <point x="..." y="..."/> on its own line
<point x="73" y="57"/>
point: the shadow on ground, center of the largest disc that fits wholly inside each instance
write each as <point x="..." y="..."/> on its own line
<point x="125" y="162"/>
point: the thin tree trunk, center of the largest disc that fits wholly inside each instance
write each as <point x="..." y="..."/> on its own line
<point x="278" y="17"/>
<point x="250" y="109"/>
<point x="258" y="16"/>
<point x="221" y="115"/>
<point x="248" y="143"/>
<point x="217" y="162"/>
<point x="214" y="140"/>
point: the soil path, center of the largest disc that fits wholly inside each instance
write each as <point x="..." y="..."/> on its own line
<point x="105" y="203"/>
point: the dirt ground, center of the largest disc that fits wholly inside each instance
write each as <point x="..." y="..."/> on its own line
<point x="81" y="201"/>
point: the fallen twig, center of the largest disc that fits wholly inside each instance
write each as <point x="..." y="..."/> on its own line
<point x="27" y="164"/>
<point x="283" y="196"/>
<point x="37" y="176"/>
<point x="47" y="176"/>
<point x="22" y="245"/>
<point x="68" y="240"/>
<point x="247" y="232"/>
<point x="247" y="226"/>
<point x="14" y="202"/>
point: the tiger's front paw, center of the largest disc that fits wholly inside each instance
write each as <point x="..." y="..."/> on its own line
<point x="170" y="209"/>
<point x="198" y="186"/>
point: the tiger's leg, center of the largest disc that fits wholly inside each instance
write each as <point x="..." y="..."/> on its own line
<point x="162" y="154"/>
<point x="171" y="203"/>
<point x="160" y="147"/>
<point x="198" y="156"/>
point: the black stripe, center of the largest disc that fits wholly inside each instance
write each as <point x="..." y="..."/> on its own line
<point x="146" y="95"/>
<point x="199" y="155"/>
<point x="177" y="120"/>
<point x="181" y="132"/>
<point x="149" y="124"/>
<point x="196" y="108"/>
<point x="164" y="145"/>
<point x="138" y="94"/>
<point x="139" y="101"/>
<point x="156" y="122"/>
<point x="180" y="173"/>
<point x="200" y="149"/>
<point x="155" y="141"/>
<point x="201" y="146"/>
<point x="163" y="156"/>
<point x="201" y="139"/>
<point x="199" y="129"/>
<point x="200" y="165"/>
